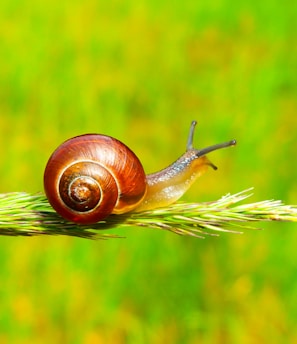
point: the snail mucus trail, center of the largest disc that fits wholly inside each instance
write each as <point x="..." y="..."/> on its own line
<point x="91" y="176"/>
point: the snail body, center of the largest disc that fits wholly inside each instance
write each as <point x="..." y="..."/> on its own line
<point x="91" y="176"/>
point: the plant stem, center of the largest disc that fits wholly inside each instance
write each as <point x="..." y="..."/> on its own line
<point x="27" y="215"/>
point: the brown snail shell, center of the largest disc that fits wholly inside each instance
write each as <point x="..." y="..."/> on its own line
<point x="92" y="176"/>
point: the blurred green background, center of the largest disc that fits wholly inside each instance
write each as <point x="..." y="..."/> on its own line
<point x="141" y="71"/>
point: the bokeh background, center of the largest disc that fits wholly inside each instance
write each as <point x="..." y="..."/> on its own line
<point x="141" y="71"/>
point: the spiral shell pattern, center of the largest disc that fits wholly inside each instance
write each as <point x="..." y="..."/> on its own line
<point x="91" y="176"/>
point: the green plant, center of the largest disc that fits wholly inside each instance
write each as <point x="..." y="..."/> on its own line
<point x="27" y="215"/>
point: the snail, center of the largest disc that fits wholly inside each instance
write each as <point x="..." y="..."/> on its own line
<point x="91" y="176"/>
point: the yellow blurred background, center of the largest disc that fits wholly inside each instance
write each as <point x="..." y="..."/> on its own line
<point x="141" y="71"/>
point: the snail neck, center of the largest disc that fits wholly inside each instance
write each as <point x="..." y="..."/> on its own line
<point x="168" y="185"/>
